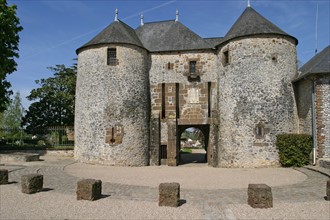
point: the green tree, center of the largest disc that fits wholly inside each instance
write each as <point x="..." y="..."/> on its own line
<point x="12" y="117"/>
<point x="9" y="39"/>
<point x="54" y="100"/>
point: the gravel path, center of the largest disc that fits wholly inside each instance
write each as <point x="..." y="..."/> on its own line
<point x="132" y="192"/>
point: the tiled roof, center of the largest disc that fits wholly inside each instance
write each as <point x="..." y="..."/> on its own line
<point x="116" y="32"/>
<point x="319" y="64"/>
<point x="169" y="36"/>
<point x="252" y="23"/>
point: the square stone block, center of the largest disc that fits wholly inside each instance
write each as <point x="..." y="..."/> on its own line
<point x="169" y="194"/>
<point x="328" y="190"/>
<point x="260" y="196"/>
<point x="89" y="189"/>
<point x="3" y="177"/>
<point x="32" y="183"/>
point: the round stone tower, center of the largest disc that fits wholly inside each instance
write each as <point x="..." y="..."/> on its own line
<point x="256" y="98"/>
<point x="112" y="99"/>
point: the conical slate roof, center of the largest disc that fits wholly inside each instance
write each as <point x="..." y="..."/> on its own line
<point x="253" y="23"/>
<point x="116" y="32"/>
<point x="169" y="36"/>
<point x="319" y="64"/>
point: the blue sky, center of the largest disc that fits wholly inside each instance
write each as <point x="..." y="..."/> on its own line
<point x="54" y="29"/>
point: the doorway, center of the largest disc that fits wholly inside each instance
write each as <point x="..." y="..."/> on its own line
<point x="193" y="144"/>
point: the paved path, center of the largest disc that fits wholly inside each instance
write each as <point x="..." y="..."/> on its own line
<point x="211" y="202"/>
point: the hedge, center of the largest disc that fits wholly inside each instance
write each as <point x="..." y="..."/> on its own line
<point x="294" y="149"/>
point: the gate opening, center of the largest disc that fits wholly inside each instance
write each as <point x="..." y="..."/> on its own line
<point x="193" y="146"/>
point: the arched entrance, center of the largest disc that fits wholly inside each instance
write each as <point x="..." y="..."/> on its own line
<point x="193" y="144"/>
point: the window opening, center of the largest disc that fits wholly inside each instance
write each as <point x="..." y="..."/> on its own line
<point x="260" y="131"/>
<point x="192" y="66"/>
<point x="177" y="99"/>
<point x="226" y="57"/>
<point x="163" y="151"/>
<point x="112" y="57"/>
<point x="163" y="100"/>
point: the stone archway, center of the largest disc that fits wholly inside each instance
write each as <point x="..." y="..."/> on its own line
<point x="193" y="153"/>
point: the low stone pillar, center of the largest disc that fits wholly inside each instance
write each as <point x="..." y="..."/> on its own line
<point x="89" y="189"/>
<point x="169" y="194"/>
<point x="260" y="196"/>
<point x="32" y="183"/>
<point x="3" y="177"/>
<point x="328" y="190"/>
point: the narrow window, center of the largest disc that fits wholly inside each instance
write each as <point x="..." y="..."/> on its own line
<point x="163" y="151"/>
<point x="112" y="57"/>
<point x="226" y="57"/>
<point x="260" y="131"/>
<point x="177" y="99"/>
<point x="163" y="100"/>
<point x="169" y="66"/>
<point x="192" y="66"/>
<point x="209" y="99"/>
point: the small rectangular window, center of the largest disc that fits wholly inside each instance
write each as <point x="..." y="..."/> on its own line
<point x="112" y="57"/>
<point x="226" y="57"/>
<point x="192" y="66"/>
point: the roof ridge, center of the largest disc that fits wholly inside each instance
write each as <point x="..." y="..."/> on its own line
<point x="151" y="22"/>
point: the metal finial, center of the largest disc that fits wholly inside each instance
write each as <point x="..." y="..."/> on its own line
<point x="116" y="17"/>
<point x="249" y="4"/>
<point x="142" y="22"/>
<point x="177" y="15"/>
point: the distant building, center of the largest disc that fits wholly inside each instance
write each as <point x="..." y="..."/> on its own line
<point x="139" y="89"/>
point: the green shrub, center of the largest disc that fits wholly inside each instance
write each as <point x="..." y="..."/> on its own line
<point x="294" y="149"/>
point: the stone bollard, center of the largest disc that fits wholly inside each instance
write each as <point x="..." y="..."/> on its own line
<point x="169" y="194"/>
<point x="328" y="190"/>
<point x="32" y="183"/>
<point x="260" y="196"/>
<point x="3" y="177"/>
<point x="89" y="189"/>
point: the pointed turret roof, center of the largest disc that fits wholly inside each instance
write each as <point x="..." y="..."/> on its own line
<point x="319" y="64"/>
<point x="253" y="23"/>
<point x="116" y="32"/>
<point x="169" y="36"/>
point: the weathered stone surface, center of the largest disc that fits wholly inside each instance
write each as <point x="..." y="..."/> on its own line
<point x="3" y="177"/>
<point x="328" y="190"/>
<point x="89" y="189"/>
<point x="111" y="97"/>
<point x="255" y="90"/>
<point x="32" y="183"/>
<point x="260" y="196"/>
<point x="169" y="194"/>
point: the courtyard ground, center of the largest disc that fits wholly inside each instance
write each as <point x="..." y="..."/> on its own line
<point x="132" y="192"/>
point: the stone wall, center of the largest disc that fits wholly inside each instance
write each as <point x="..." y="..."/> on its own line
<point x="112" y="107"/>
<point x="178" y="95"/>
<point x="303" y="93"/>
<point x="322" y="92"/>
<point x="256" y="100"/>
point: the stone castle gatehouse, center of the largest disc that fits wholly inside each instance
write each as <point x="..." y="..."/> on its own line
<point x="139" y="89"/>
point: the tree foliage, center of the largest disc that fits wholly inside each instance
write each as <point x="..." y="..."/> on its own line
<point x="54" y="100"/>
<point x="9" y="39"/>
<point x="12" y="117"/>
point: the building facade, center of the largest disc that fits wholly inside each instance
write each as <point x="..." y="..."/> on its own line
<point x="139" y="89"/>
